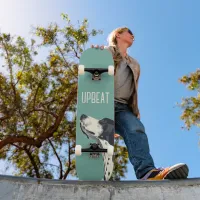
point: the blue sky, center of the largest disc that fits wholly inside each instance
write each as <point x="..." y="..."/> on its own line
<point x="166" y="46"/>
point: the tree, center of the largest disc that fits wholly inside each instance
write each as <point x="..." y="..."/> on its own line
<point x="191" y="105"/>
<point x="37" y="135"/>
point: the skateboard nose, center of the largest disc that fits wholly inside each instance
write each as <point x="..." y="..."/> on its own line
<point x="83" y="117"/>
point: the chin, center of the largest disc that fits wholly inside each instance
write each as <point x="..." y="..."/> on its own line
<point x="130" y="44"/>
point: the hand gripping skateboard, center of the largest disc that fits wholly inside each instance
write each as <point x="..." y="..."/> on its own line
<point x="95" y="115"/>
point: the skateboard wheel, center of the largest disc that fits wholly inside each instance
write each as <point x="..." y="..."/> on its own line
<point x="110" y="150"/>
<point x="81" y="69"/>
<point x="111" y="70"/>
<point x="78" y="150"/>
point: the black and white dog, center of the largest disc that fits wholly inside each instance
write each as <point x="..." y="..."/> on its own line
<point x="103" y="132"/>
<point x="102" y="129"/>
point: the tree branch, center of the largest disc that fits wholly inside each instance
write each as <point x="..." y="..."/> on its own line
<point x="48" y="133"/>
<point x="66" y="63"/>
<point x="11" y="73"/>
<point x="4" y="118"/>
<point x="33" y="162"/>
<point x="51" y="165"/>
<point x="54" y="127"/>
<point x="69" y="161"/>
<point x="31" y="159"/>
<point x="39" y="84"/>
<point x="38" y="109"/>
<point x="54" y="150"/>
<point x="13" y="86"/>
<point x="22" y="71"/>
<point x="76" y="54"/>
<point x="22" y="139"/>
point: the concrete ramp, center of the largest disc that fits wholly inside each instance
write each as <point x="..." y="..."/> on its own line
<point x="18" y="188"/>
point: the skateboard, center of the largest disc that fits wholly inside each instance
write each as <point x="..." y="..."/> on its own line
<point x="95" y="115"/>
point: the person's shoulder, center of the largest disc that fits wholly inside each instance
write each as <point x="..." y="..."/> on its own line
<point x="110" y="48"/>
<point x="136" y="65"/>
<point x="134" y="61"/>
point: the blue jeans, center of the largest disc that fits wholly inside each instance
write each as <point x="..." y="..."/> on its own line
<point x="133" y="132"/>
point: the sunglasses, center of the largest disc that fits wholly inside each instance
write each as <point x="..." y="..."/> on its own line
<point x="129" y="31"/>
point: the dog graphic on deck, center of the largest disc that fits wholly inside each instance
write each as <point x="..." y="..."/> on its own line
<point x="103" y="132"/>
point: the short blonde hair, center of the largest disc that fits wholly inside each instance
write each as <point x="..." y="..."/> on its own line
<point x="112" y="36"/>
<point x="113" y="42"/>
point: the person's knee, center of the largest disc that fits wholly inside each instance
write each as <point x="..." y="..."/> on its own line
<point x="136" y="126"/>
<point x="139" y="129"/>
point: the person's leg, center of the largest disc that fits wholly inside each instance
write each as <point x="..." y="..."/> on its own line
<point x="133" y="132"/>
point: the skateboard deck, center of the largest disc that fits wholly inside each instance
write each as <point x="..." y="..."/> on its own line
<point x="95" y="115"/>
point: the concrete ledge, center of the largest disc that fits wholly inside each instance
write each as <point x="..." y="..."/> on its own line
<point x="20" y="188"/>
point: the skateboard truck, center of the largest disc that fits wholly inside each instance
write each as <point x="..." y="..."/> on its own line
<point x="96" y="73"/>
<point x="94" y="148"/>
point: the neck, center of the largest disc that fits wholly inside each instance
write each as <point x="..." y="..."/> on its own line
<point x="123" y="48"/>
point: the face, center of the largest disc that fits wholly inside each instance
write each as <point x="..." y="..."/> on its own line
<point x="126" y="37"/>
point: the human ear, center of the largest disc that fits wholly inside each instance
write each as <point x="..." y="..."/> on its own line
<point x="117" y="35"/>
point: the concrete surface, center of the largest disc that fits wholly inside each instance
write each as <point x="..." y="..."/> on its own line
<point x="18" y="188"/>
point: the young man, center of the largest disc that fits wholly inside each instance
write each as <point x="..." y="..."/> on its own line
<point x="127" y="116"/>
